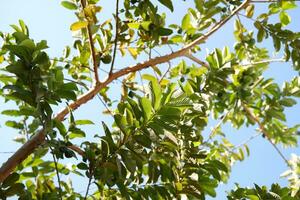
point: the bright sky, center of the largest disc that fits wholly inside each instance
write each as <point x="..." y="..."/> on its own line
<point x="48" y="20"/>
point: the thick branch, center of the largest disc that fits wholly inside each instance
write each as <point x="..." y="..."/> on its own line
<point x="39" y="138"/>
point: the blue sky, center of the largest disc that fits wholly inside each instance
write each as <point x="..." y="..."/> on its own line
<point x="48" y="20"/>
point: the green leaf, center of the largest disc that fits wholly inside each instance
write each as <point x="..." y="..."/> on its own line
<point x="285" y="19"/>
<point x="146" y="25"/>
<point x="82" y="166"/>
<point x="69" y="5"/>
<point x="20" y="36"/>
<point x="10" y="180"/>
<point x="287" y="5"/>
<point x="277" y="114"/>
<point x="14" y="124"/>
<point x="167" y="3"/>
<point x="121" y="122"/>
<point x="156" y="94"/>
<point x="20" y="51"/>
<point x="146" y="107"/>
<point x="15" y="189"/>
<point x="185" y="24"/>
<point x="134" y="25"/>
<point x="288" y="102"/>
<point x="66" y="94"/>
<point x="14" y="113"/>
<point x="219" y="165"/>
<point x="108" y="136"/>
<point x="28" y="43"/>
<point x="164" y="31"/>
<point x="83" y="122"/>
<point x="79" y="25"/>
<point x="42" y="45"/>
<point x="149" y="77"/>
<point x="260" y="34"/>
<point x="69" y="86"/>
<point x="276" y="43"/>
<point x="60" y="126"/>
<point x="76" y="133"/>
<point x="253" y="197"/>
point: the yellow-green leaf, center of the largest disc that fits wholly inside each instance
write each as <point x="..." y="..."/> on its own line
<point x="78" y="25"/>
<point x="69" y="5"/>
<point x="250" y="10"/>
<point x="285" y="19"/>
<point x="133" y="52"/>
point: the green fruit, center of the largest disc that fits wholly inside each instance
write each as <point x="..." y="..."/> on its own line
<point x="106" y="59"/>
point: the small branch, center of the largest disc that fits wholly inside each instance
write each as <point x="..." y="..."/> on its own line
<point x="57" y="172"/>
<point x="246" y="141"/>
<point x="69" y="62"/>
<point x="77" y="82"/>
<point x="88" y="187"/>
<point x="7" y="152"/>
<point x="196" y="60"/>
<point x="265" y="62"/>
<point x="144" y="90"/>
<point x="92" y="47"/>
<point x="166" y="72"/>
<point x="217" y="126"/>
<point x="262" y="129"/>
<point x="116" y="38"/>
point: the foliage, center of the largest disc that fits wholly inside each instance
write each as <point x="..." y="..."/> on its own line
<point x="154" y="147"/>
<point x="276" y="192"/>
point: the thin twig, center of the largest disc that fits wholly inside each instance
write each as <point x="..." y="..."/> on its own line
<point x="89" y="183"/>
<point x="70" y="62"/>
<point x="92" y="47"/>
<point x="104" y="104"/>
<point x="166" y="72"/>
<point x="196" y="60"/>
<point x="77" y="82"/>
<point x="262" y="129"/>
<point x="7" y="152"/>
<point x="144" y="90"/>
<point x="116" y="38"/>
<point x="56" y="170"/>
<point x="246" y="141"/>
<point x="217" y="126"/>
<point x="265" y="62"/>
<point x="88" y="187"/>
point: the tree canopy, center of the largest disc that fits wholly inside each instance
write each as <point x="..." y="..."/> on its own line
<point x="151" y="144"/>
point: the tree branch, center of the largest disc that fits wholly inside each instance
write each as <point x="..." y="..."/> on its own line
<point x="196" y="60"/>
<point x="262" y="129"/>
<point x="92" y="47"/>
<point x="116" y="38"/>
<point x="24" y="151"/>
